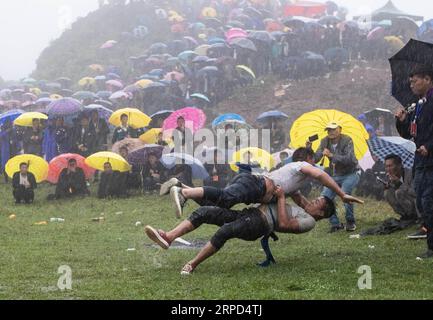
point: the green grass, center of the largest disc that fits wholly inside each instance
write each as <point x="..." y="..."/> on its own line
<point x="311" y="266"/>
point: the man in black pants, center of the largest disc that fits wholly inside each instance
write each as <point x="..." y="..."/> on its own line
<point x="23" y="184"/>
<point x="249" y="224"/>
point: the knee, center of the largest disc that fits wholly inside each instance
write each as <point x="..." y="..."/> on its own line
<point x="221" y="237"/>
<point x="199" y="216"/>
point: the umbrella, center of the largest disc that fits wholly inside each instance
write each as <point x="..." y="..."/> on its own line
<point x="86" y="81"/>
<point x="10" y="116"/>
<point x="415" y="53"/>
<point x="156" y="72"/>
<point x="202" y="50"/>
<point x="383" y="146"/>
<point x="96" y="67"/>
<point x="376" y="33"/>
<point x="209" y="12"/>
<point x="314" y="123"/>
<point x="105" y="103"/>
<point x="374" y="114"/>
<point x="140" y="155"/>
<point x="5" y="93"/>
<point x="425" y="32"/>
<point x="262" y="36"/>
<point x="158" y="48"/>
<point x="64" y="107"/>
<point x="104" y="94"/>
<point x="201" y="97"/>
<point x="29" y="81"/>
<point x="109" y="44"/>
<point x="136" y="118"/>
<point x="129" y="143"/>
<point x="235" y="120"/>
<point x="151" y="136"/>
<point x="55" y="97"/>
<point x="114" y="83"/>
<point x="272" y="115"/>
<point x="207" y="71"/>
<point x="37" y="166"/>
<point x="395" y="43"/>
<point x="200" y="59"/>
<point x="143" y="83"/>
<point x="260" y="156"/>
<point x="61" y="162"/>
<point x="243" y="43"/>
<point x="113" y="76"/>
<point x="103" y="112"/>
<point x="169" y="160"/>
<point x="235" y="24"/>
<point x="177" y="76"/>
<point x="100" y="78"/>
<point x="195" y="119"/>
<point x="235" y="33"/>
<point x="159" y="116"/>
<point x="131" y="89"/>
<point x="329" y="20"/>
<point x="247" y="70"/>
<point x="184" y="56"/>
<point x="120" y="95"/>
<point x="85" y="95"/>
<point x="118" y="163"/>
<point x="43" y="101"/>
<point x="26" y="119"/>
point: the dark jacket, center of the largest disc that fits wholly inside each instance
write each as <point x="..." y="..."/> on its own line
<point x="86" y="138"/>
<point x="102" y="131"/>
<point x="30" y="177"/>
<point x="32" y="146"/>
<point x="159" y="169"/>
<point x="119" y="134"/>
<point x="71" y="183"/>
<point x="111" y="185"/>
<point x="424" y="133"/>
<point x="344" y="161"/>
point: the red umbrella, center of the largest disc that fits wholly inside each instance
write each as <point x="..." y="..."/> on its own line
<point x="61" y="162"/>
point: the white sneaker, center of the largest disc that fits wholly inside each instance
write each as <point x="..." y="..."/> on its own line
<point x="178" y="199"/>
<point x="166" y="186"/>
<point x="187" y="270"/>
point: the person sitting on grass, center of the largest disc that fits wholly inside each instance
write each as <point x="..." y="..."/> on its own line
<point x="250" y="224"/>
<point x="112" y="183"/>
<point x="72" y="182"/>
<point x="24" y="184"/>
<point x="153" y="173"/>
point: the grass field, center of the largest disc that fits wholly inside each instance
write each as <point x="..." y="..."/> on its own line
<point x="311" y="266"/>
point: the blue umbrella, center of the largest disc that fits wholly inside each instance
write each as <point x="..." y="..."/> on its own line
<point x="425" y="32"/>
<point x="84" y="95"/>
<point x="157" y="72"/>
<point x="272" y="115"/>
<point x="103" y="112"/>
<point x="169" y="160"/>
<point x="227" y="117"/>
<point x="200" y="96"/>
<point x="104" y="94"/>
<point x="384" y="146"/>
<point x="11" y="115"/>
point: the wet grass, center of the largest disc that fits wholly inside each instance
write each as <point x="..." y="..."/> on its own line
<point x="311" y="266"/>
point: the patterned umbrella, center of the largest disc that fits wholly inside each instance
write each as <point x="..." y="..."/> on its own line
<point x="129" y="143"/>
<point x="195" y="119"/>
<point x="61" y="162"/>
<point x="64" y="107"/>
<point x="384" y="146"/>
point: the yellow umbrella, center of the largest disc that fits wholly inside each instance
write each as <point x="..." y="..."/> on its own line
<point x="260" y="156"/>
<point x="246" y="69"/>
<point x="55" y="96"/>
<point x="151" y="136"/>
<point x="143" y="83"/>
<point x="96" y="67"/>
<point x="209" y="12"/>
<point x="202" y="50"/>
<point x="136" y="118"/>
<point x="37" y="166"/>
<point x="176" y="19"/>
<point x="118" y="163"/>
<point x="36" y="91"/>
<point x="395" y="42"/>
<point x="26" y="119"/>
<point x="86" y="81"/>
<point x="315" y="122"/>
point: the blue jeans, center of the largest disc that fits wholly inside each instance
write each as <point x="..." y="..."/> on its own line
<point x="347" y="184"/>
<point x="424" y="199"/>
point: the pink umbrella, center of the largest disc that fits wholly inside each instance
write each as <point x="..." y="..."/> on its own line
<point x="376" y="33"/>
<point x="61" y="162"/>
<point x="120" y="95"/>
<point x="109" y="44"/>
<point x="234" y="33"/>
<point x="114" y="83"/>
<point x="177" y="76"/>
<point x="195" y="119"/>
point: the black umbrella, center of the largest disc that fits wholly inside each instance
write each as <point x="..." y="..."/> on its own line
<point x="235" y="24"/>
<point x="213" y="23"/>
<point x="244" y="44"/>
<point x="210" y="71"/>
<point x="415" y="53"/>
<point x="262" y="36"/>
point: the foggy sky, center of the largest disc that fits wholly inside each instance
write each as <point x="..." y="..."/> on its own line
<point x="28" y="26"/>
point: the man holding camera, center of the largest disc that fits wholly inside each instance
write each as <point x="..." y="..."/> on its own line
<point x="339" y="149"/>
<point x="399" y="191"/>
<point x="417" y="125"/>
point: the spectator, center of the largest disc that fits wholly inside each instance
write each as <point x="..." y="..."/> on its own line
<point x="32" y="140"/>
<point x="153" y="173"/>
<point x="339" y="150"/>
<point x="84" y="138"/>
<point x="24" y="184"/>
<point x="101" y="129"/>
<point x="133" y="177"/>
<point x="72" y="182"/>
<point x="112" y="183"/>
<point x="219" y="172"/>
<point x="124" y="131"/>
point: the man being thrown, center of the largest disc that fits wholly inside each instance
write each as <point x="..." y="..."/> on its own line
<point x="249" y="224"/>
<point x="251" y="189"/>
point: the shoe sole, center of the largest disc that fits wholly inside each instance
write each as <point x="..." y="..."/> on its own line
<point x="155" y="237"/>
<point x="174" y="194"/>
<point x="166" y="187"/>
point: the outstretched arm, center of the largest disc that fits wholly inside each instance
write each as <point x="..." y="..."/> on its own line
<point x="327" y="181"/>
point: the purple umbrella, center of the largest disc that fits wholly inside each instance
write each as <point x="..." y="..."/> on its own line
<point x="140" y="156"/>
<point x="64" y="107"/>
<point x="103" y="112"/>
